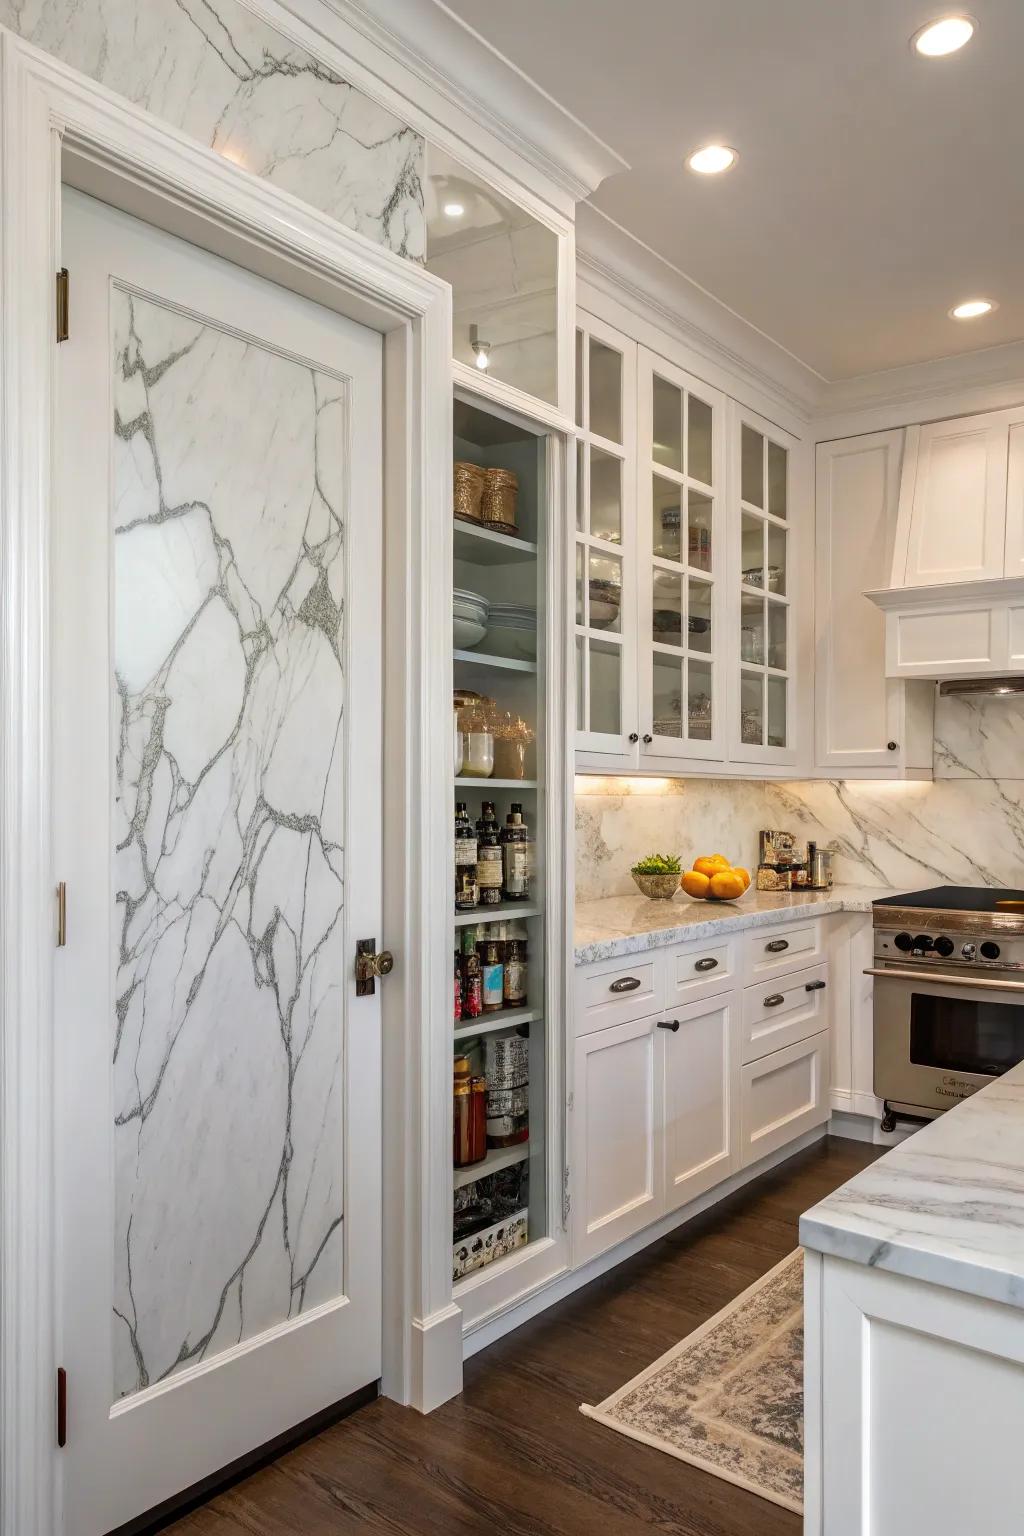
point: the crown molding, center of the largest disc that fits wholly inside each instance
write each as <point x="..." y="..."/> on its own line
<point x="991" y="379"/>
<point x="415" y="58"/>
<point x="626" y="270"/>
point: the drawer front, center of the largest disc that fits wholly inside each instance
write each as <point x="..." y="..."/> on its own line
<point x="615" y="991"/>
<point x="780" y="1011"/>
<point x="782" y="1096"/>
<point x="789" y="947"/>
<point x="699" y="970"/>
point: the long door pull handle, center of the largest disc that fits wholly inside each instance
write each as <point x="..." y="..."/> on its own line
<point x="672" y="1024"/>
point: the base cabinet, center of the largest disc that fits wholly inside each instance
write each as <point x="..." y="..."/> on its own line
<point x="783" y="1095"/>
<point x="701" y="1125"/>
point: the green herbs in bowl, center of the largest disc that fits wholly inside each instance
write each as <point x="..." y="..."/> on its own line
<point x="657" y="876"/>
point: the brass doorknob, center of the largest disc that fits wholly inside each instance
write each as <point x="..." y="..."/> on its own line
<point x="384" y="963"/>
<point x="370" y="965"/>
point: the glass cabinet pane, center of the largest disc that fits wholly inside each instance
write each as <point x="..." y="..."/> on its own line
<point x="699" y="457"/>
<point x="752" y="630"/>
<point x="776" y="711"/>
<point x="752" y="467"/>
<point x="752" y="550"/>
<point x="605" y="391"/>
<point x="698" y="618"/>
<point x="581" y="686"/>
<point x="666" y="512"/>
<point x="581" y="601"/>
<point x="776" y="581"/>
<point x="668" y="424"/>
<point x="777" y="479"/>
<point x="699" y="512"/>
<point x="667" y="608"/>
<point x="581" y="488"/>
<point x="752" y="709"/>
<point x="605" y="496"/>
<point x="605" y="687"/>
<point x="699" y="707"/>
<point x="778" y="619"/>
<point x="604" y="587"/>
<point x="668" y="696"/>
<point x="579" y="378"/>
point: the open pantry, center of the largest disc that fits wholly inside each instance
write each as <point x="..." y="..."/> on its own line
<point x="507" y="1169"/>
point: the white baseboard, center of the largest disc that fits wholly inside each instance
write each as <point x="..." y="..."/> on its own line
<point x="436" y="1366"/>
<point x="860" y="1125"/>
<point x="493" y="1328"/>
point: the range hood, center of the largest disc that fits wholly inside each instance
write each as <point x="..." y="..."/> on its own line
<point x="954" y="609"/>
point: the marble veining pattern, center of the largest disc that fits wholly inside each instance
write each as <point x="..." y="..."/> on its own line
<point x="946" y="1206"/>
<point x="228" y="513"/>
<point x="219" y="72"/>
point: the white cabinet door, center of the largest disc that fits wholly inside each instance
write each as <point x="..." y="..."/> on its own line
<point x="1013" y="562"/>
<point x="863" y="720"/>
<point x="605" y="543"/>
<point x="681" y="560"/>
<point x="954" y="499"/>
<point x="701" y="1129"/>
<point x="616" y="1160"/>
<point x="781" y="1096"/>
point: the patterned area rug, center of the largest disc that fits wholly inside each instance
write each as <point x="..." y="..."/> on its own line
<point x="730" y="1397"/>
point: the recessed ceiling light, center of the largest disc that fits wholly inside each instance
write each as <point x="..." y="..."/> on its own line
<point x="453" y="210"/>
<point x="712" y="159"/>
<point x="944" y="36"/>
<point x="971" y="309"/>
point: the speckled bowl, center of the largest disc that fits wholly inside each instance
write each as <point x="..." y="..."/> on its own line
<point x="657" y="887"/>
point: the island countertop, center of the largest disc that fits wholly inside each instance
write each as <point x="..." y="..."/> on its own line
<point x="628" y="925"/>
<point x="945" y="1206"/>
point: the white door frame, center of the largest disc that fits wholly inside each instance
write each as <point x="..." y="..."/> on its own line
<point x="54" y="125"/>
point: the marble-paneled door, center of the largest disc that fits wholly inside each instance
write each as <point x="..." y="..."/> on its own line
<point x="220" y="1091"/>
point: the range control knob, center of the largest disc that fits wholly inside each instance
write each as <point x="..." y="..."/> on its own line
<point x="903" y="942"/>
<point x="989" y="950"/>
<point x="923" y="942"/>
<point x="944" y="947"/>
<point x="969" y="951"/>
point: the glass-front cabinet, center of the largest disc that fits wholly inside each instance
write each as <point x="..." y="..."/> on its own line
<point x="684" y="568"/>
<point x="682" y="527"/>
<point x="605" y="577"/>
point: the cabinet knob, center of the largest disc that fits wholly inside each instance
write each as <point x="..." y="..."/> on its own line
<point x="893" y="746"/>
<point x="672" y="1024"/>
<point x="634" y="736"/>
<point x="647" y="739"/>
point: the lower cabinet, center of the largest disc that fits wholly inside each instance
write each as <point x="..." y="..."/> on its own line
<point x="654" y="1118"/>
<point x="783" y="1095"/>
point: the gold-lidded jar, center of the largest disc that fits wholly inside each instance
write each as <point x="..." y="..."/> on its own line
<point x="500" y="499"/>
<point x="467" y="489"/>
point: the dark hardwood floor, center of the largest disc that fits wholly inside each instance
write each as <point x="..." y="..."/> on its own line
<point x="513" y="1454"/>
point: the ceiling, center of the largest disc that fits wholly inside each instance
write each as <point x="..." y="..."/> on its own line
<point x="874" y="189"/>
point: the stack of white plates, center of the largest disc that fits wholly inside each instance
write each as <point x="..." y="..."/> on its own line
<point x="513" y="627"/>
<point x="469" y="618"/>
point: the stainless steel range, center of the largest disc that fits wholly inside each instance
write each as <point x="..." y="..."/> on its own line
<point x="949" y="996"/>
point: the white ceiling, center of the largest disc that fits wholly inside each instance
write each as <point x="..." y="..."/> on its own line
<point x="874" y="189"/>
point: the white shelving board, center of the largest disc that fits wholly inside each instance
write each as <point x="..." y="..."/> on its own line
<point x="497" y="1159"/>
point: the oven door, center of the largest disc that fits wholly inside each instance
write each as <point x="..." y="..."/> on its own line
<point x="939" y="1038"/>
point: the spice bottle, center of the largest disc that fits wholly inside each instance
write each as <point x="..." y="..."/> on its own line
<point x="514" y="979"/>
<point x="493" y="977"/>
<point x="458" y="988"/>
<point x="515" y="857"/>
<point x="466" y="894"/>
<point x="488" y="857"/>
<point x="468" y="1144"/>
<point x="472" y="985"/>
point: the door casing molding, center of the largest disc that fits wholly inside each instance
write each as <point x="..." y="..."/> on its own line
<point x="57" y="125"/>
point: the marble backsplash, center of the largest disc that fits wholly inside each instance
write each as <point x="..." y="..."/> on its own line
<point x="216" y="70"/>
<point x="966" y="827"/>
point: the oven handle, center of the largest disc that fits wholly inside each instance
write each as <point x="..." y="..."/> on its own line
<point x="953" y="981"/>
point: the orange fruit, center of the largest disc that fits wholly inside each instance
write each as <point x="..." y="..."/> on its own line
<point x="711" y="864"/>
<point x="695" y="884"/>
<point x="739" y="870"/>
<point x="727" y="885"/>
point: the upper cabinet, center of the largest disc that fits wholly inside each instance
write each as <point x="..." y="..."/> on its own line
<point x="954" y="504"/>
<point x="865" y="723"/>
<point x="685" y="573"/>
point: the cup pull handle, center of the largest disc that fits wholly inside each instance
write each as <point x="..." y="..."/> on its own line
<point x="708" y="964"/>
<point x="625" y="984"/>
<point x="776" y="946"/>
<point x="775" y="999"/>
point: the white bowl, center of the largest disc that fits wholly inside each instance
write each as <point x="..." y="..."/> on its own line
<point x="467" y="633"/>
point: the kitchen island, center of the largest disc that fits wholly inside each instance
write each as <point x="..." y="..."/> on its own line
<point x="914" y="1332"/>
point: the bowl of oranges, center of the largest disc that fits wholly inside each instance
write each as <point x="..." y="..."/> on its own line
<point x="713" y="878"/>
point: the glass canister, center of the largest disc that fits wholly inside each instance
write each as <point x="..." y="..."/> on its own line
<point x="499" y="501"/>
<point x="460" y="745"/>
<point x="478" y="743"/>
<point x="468" y="481"/>
<point x="512" y="740"/>
<point x="506" y="1063"/>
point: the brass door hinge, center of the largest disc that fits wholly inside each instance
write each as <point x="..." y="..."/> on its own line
<point x="62" y="915"/>
<point x="63" y="304"/>
<point x="62" y="1407"/>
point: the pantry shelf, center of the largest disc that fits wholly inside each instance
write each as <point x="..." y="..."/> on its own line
<point x="483" y="546"/>
<point x="497" y="914"/>
<point x="462" y="782"/>
<point x="487" y="1023"/>
<point x="497" y="1159"/>
<point x="502" y="663"/>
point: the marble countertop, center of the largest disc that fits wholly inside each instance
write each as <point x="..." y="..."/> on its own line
<point x="628" y="925"/>
<point x="946" y="1205"/>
